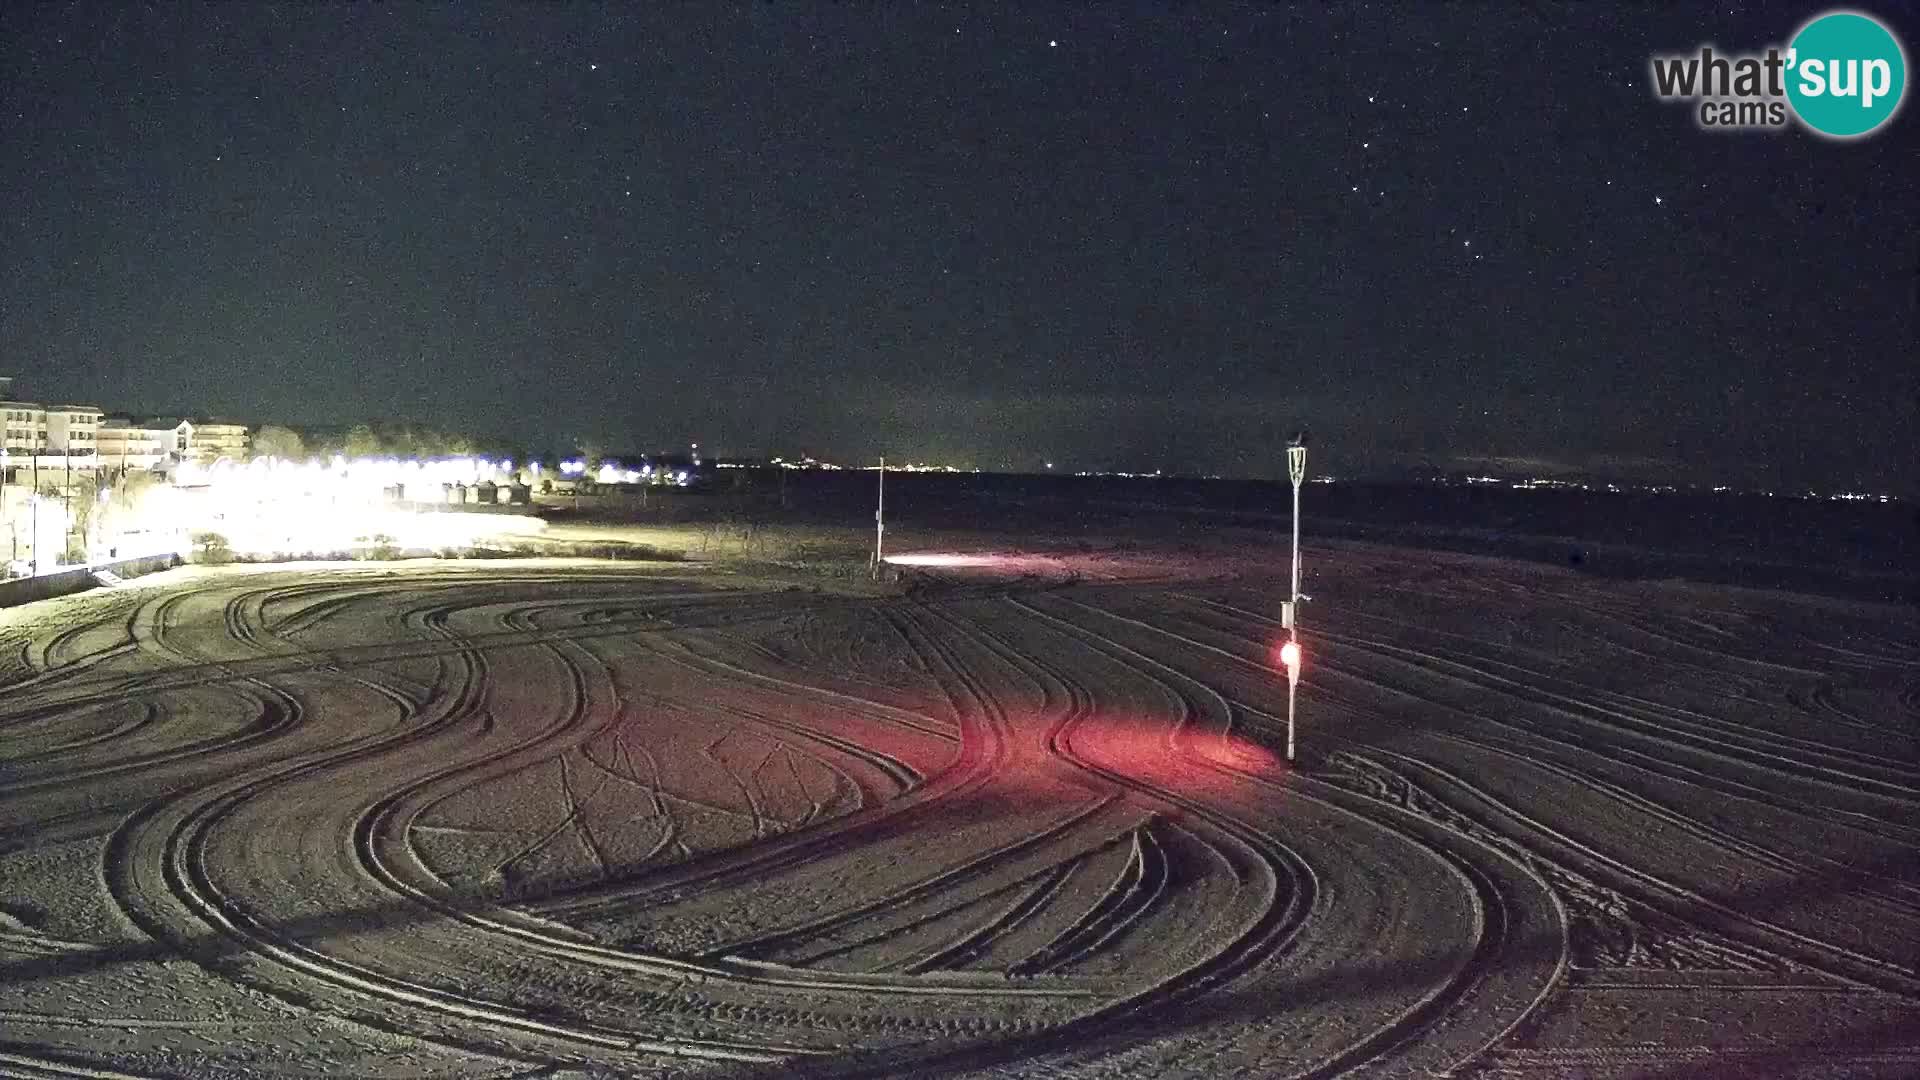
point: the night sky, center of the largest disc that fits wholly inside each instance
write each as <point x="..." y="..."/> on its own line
<point x="1446" y="235"/>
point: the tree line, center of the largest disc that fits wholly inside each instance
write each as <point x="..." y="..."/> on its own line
<point x="362" y="440"/>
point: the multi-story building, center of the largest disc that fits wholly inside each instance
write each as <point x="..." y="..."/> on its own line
<point x="124" y="444"/>
<point x="29" y="428"/>
<point x="212" y="441"/>
<point x="26" y="426"/>
<point x="73" y="429"/>
<point x="76" y="431"/>
<point x="202" y="442"/>
<point x="49" y="429"/>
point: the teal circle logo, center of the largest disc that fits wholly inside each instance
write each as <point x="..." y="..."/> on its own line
<point x="1846" y="74"/>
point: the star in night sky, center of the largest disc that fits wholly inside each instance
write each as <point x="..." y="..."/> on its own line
<point x="992" y="236"/>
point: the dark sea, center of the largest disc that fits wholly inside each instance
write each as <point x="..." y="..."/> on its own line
<point x="1853" y="548"/>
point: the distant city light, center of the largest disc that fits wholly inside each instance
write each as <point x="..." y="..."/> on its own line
<point x="808" y="462"/>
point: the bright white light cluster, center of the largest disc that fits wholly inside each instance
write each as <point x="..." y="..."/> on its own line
<point x="918" y="466"/>
<point x="324" y="508"/>
<point x="805" y="463"/>
<point x="612" y="473"/>
<point x="340" y="472"/>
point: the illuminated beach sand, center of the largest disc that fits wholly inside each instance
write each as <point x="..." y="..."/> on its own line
<point x="444" y="819"/>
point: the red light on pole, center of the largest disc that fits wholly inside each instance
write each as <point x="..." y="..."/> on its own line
<point x="1290" y="652"/>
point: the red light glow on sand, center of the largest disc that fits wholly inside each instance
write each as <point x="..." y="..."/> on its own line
<point x="1191" y="762"/>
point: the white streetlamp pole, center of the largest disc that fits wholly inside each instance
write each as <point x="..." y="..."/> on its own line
<point x="1297" y="472"/>
<point x="880" y="519"/>
<point x="34" y="525"/>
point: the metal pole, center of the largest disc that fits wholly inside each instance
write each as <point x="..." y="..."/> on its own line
<point x="1295" y="596"/>
<point x="1292" y="684"/>
<point x="880" y="518"/>
<point x="1297" y="472"/>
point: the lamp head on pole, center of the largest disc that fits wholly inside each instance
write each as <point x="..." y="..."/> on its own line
<point x="1290" y="659"/>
